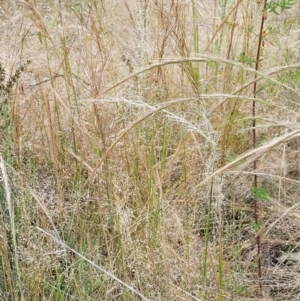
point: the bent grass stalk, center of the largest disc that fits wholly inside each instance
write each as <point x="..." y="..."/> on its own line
<point x="94" y="265"/>
<point x="206" y="58"/>
<point x="162" y="107"/>
<point x="250" y="156"/>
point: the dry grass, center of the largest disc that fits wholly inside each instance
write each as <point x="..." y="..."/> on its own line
<point x="126" y="153"/>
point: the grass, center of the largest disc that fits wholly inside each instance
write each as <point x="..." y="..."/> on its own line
<point x="127" y="155"/>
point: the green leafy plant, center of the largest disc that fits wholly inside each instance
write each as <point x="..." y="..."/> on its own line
<point x="256" y="227"/>
<point x="283" y="5"/>
<point x="261" y="194"/>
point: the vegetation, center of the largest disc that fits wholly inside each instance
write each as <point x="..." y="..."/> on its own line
<point x="149" y="150"/>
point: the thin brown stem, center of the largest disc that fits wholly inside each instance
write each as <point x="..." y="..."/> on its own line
<point x="254" y="136"/>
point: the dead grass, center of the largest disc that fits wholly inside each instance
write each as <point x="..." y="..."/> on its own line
<point x="126" y="146"/>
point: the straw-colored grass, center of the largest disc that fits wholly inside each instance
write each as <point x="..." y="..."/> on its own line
<point x="126" y="151"/>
